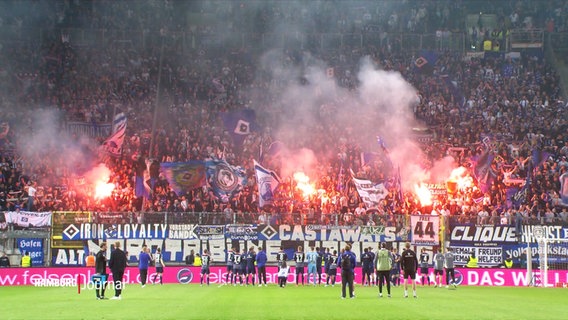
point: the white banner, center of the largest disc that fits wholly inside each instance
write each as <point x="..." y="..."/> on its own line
<point x="486" y="256"/>
<point x="267" y="181"/>
<point x="29" y="219"/>
<point x="370" y="193"/>
<point x="425" y="230"/>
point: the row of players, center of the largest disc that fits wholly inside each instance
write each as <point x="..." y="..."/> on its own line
<point x="243" y="267"/>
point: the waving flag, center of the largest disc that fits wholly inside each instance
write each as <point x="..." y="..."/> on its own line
<point x="521" y="196"/>
<point x="426" y="62"/>
<point x="482" y="170"/>
<point x="142" y="187"/>
<point x="371" y="193"/>
<point x="113" y="145"/>
<point x="267" y="181"/>
<point x="239" y="124"/>
<point x="184" y="176"/>
<point x="225" y="180"/>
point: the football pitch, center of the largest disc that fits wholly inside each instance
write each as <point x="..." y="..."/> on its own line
<point x="178" y="301"/>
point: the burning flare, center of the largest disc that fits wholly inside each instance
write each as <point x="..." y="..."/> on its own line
<point x="103" y="189"/>
<point x="424" y="195"/>
<point x="98" y="179"/>
<point x="460" y="177"/>
<point x="303" y="184"/>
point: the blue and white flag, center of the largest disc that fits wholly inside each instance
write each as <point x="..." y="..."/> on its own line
<point x="225" y="180"/>
<point x="239" y="124"/>
<point x="267" y="181"/>
<point x="113" y="145"/>
<point x="371" y="193"/>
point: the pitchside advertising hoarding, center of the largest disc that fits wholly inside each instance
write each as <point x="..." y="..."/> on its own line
<point x="78" y="276"/>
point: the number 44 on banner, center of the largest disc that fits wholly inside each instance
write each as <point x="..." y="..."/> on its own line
<point x="425" y="230"/>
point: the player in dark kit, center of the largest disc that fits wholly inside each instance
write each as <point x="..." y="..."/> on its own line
<point x="230" y="259"/>
<point x="332" y="268"/>
<point x="319" y="262"/>
<point x="395" y="271"/>
<point x="367" y="267"/>
<point x="281" y="256"/>
<point x="238" y="273"/>
<point x="373" y="257"/>
<point x="409" y="264"/>
<point x="299" y="258"/>
<point x="101" y="275"/>
<point x="251" y="268"/>
<point x="347" y="260"/>
<point x="205" y="263"/>
<point x="117" y="264"/>
<point x="261" y="260"/>
<point x="326" y="264"/>
<point x="424" y="257"/>
<point x="243" y="267"/>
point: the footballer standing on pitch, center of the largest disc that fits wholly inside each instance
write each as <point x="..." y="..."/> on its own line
<point x="117" y="264"/>
<point x="205" y="270"/>
<point x="384" y="265"/>
<point x="250" y="267"/>
<point x="409" y="264"/>
<point x="237" y="267"/>
<point x="450" y="274"/>
<point x="367" y="264"/>
<point x="281" y="256"/>
<point x="424" y="257"/>
<point x="438" y="267"/>
<point x="348" y="261"/>
<point x="261" y="260"/>
<point x="230" y="259"/>
<point x="299" y="257"/>
<point x="101" y="272"/>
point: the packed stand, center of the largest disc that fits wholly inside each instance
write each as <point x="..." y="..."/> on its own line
<point x="88" y="84"/>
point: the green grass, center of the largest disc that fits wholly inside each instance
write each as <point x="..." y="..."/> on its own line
<point x="176" y="301"/>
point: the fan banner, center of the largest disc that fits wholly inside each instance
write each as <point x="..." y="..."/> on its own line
<point x="425" y="230"/>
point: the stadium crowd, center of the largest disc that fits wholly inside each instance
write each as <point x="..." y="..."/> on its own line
<point x="516" y="102"/>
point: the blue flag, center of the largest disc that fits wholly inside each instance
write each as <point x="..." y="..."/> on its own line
<point x="140" y="189"/>
<point x="426" y="62"/>
<point x="225" y="180"/>
<point x="184" y="176"/>
<point x="482" y="170"/>
<point x="511" y="192"/>
<point x="239" y="124"/>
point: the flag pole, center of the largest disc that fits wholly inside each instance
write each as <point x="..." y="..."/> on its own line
<point x="157" y="103"/>
<point x="157" y="106"/>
